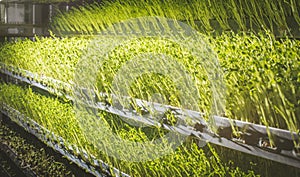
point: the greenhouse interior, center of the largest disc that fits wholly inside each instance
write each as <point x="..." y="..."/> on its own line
<point x="149" y="88"/>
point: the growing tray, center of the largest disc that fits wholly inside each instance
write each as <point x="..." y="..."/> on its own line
<point x="253" y="139"/>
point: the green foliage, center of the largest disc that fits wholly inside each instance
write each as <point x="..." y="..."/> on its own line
<point x="46" y="56"/>
<point x="241" y="15"/>
<point x="147" y="85"/>
<point x="34" y="158"/>
<point x="41" y="109"/>
<point x="261" y="73"/>
<point x="187" y="160"/>
<point x="262" y="76"/>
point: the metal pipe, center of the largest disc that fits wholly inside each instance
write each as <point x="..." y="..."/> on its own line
<point x="33" y="18"/>
<point x="50" y="12"/>
<point x="5" y="13"/>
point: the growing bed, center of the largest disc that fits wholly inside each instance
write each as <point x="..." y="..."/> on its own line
<point x="260" y="74"/>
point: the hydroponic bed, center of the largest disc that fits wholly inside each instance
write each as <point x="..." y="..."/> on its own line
<point x="255" y="108"/>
